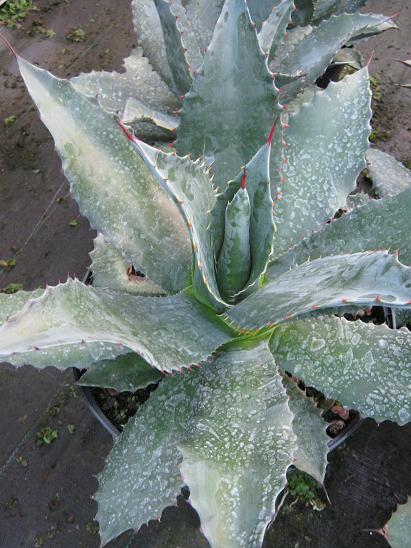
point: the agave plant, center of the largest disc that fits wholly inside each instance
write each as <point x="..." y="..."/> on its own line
<point x="300" y="39"/>
<point x="243" y="277"/>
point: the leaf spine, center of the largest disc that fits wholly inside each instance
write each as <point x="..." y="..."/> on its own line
<point x="272" y="132"/>
<point x="244" y="178"/>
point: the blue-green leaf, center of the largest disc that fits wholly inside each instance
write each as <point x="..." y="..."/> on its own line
<point x="234" y="260"/>
<point x="150" y="35"/>
<point x="313" y="53"/>
<point x="310" y="430"/>
<point x="361" y="279"/>
<point x="112" y="271"/>
<point x="111" y="182"/>
<point x="227" y="124"/>
<point x="165" y="331"/>
<point x="399" y="526"/>
<point x="364" y="366"/>
<point x="388" y="176"/>
<point x="127" y="373"/>
<point x="139" y="85"/>
<point x="261" y="224"/>
<point x="379" y="224"/>
<point x="274" y="28"/>
<point x="190" y="186"/>
<point x="174" y="48"/>
<point x="141" y="476"/>
<point x="326" y="142"/>
<point x="238" y="445"/>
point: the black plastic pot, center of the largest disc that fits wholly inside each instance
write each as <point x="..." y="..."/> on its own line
<point x="95" y="409"/>
<point x="92" y="404"/>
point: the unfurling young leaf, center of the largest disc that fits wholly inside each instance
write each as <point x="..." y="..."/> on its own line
<point x="234" y="260"/>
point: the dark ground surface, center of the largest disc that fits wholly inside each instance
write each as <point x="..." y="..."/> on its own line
<point x="45" y="492"/>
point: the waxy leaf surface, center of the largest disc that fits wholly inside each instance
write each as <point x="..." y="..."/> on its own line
<point x="168" y="332"/>
<point x="364" y="366"/>
<point x="274" y="28"/>
<point x="110" y="270"/>
<point x="388" y="176"/>
<point x="313" y="53"/>
<point x="150" y="36"/>
<point x="127" y="373"/>
<point x="111" y="183"/>
<point x="139" y="81"/>
<point x="174" y="48"/>
<point x="234" y="260"/>
<point x="142" y="475"/>
<point x="190" y="186"/>
<point x="310" y="429"/>
<point x="379" y="224"/>
<point x="261" y="223"/>
<point x="326" y="142"/>
<point x="238" y="445"/>
<point x="360" y="279"/>
<point x="399" y="526"/>
<point x="227" y="123"/>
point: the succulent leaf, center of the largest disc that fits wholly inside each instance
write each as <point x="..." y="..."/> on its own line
<point x="140" y="83"/>
<point x="261" y="223"/>
<point x="142" y="475"/>
<point x="260" y="10"/>
<point x="360" y="279"/>
<point x="238" y="445"/>
<point x="350" y="57"/>
<point x="202" y="16"/>
<point x="190" y="186"/>
<point x="139" y="116"/>
<point x="227" y="124"/>
<point x="110" y="270"/>
<point x="384" y="224"/>
<point x="310" y="430"/>
<point x="313" y="54"/>
<point x="327" y="8"/>
<point x="388" y="176"/>
<point x="12" y="304"/>
<point x="372" y="29"/>
<point x="127" y="373"/>
<point x="273" y="29"/>
<point x="174" y="48"/>
<point x="73" y="314"/>
<point x="150" y="36"/>
<point x="326" y="142"/>
<point x="303" y="13"/>
<point x="364" y="366"/>
<point x="399" y="526"/>
<point x="234" y="260"/>
<point x="111" y="183"/>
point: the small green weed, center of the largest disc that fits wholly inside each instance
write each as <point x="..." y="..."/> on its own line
<point x="22" y="460"/>
<point x="11" y="288"/>
<point x="92" y="528"/>
<point x="375" y="82"/>
<point x="9" y="121"/>
<point x="14" y="11"/>
<point x="54" y="410"/>
<point x="302" y="486"/>
<point x="76" y="35"/>
<point x="7" y="264"/>
<point x="46" y="436"/>
<point x="39" y="30"/>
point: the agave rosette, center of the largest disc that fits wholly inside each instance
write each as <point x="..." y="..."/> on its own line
<point x="245" y="276"/>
